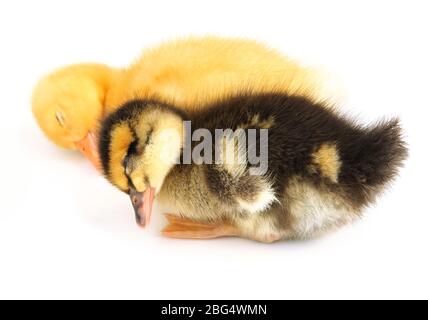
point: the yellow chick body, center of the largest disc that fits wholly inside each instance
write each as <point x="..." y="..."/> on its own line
<point x="199" y="71"/>
<point x="189" y="73"/>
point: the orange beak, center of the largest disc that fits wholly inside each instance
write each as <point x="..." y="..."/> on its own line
<point x="88" y="146"/>
<point x="143" y="204"/>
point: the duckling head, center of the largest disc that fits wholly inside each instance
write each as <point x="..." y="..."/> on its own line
<point x="68" y="105"/>
<point x="139" y="144"/>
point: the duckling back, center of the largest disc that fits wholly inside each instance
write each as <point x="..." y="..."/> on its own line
<point x="312" y="140"/>
<point x="194" y="72"/>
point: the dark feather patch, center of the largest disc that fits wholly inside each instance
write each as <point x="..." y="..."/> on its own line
<point x="370" y="157"/>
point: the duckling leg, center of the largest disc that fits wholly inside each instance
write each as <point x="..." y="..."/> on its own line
<point x="182" y="228"/>
<point x="88" y="147"/>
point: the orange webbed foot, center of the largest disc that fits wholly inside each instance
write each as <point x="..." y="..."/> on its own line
<point x="181" y="228"/>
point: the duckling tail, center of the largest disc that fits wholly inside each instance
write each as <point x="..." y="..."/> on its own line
<point x="373" y="158"/>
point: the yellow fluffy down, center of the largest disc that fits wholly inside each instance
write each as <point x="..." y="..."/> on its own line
<point x="188" y="73"/>
<point x="121" y="138"/>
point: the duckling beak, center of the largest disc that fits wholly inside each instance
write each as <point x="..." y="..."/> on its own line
<point x="143" y="204"/>
<point x="88" y="147"/>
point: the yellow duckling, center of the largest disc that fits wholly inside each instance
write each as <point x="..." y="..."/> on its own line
<point x="189" y="73"/>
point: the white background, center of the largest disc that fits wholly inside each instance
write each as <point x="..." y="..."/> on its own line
<point x="66" y="233"/>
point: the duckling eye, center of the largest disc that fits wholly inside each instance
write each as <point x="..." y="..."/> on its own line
<point x="135" y="200"/>
<point x="60" y="118"/>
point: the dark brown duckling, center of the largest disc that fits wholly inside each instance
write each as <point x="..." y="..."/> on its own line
<point x="303" y="169"/>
